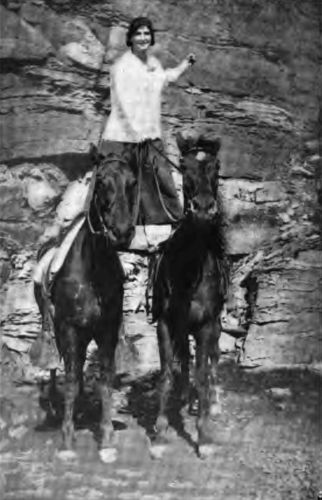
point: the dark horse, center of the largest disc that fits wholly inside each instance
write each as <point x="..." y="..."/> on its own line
<point x="87" y="292"/>
<point x="189" y="288"/>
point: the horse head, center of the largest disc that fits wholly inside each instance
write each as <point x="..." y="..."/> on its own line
<point x="200" y="168"/>
<point x="114" y="199"/>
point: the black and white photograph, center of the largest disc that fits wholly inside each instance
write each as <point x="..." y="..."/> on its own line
<point x="160" y="250"/>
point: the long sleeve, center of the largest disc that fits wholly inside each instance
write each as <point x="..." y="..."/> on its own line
<point x="172" y="74"/>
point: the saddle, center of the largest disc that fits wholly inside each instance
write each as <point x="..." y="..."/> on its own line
<point x="147" y="238"/>
<point x="53" y="259"/>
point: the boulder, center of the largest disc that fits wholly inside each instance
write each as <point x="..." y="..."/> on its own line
<point x="39" y="193"/>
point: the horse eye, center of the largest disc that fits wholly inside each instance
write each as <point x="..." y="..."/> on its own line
<point x="195" y="204"/>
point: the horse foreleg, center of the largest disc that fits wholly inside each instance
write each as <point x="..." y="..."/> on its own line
<point x="185" y="362"/>
<point x="80" y="367"/>
<point x="203" y="390"/>
<point x="165" y="385"/>
<point x="108" y="452"/>
<point x="214" y="353"/>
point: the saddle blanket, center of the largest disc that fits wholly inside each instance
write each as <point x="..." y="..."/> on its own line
<point x="146" y="238"/>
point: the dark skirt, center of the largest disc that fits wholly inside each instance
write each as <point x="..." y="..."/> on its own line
<point x="159" y="203"/>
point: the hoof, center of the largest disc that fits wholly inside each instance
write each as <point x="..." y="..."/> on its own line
<point x="157" y="451"/>
<point x="206" y="451"/>
<point x="66" y="455"/>
<point x="108" y="455"/>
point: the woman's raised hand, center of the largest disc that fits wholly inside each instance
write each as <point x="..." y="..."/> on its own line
<point x="191" y="58"/>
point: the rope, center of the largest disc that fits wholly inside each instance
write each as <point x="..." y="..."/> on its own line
<point x="142" y="156"/>
<point x="139" y="161"/>
<point x="161" y="153"/>
<point x="166" y="211"/>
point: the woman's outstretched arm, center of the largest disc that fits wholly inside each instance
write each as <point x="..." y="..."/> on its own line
<point x="174" y="73"/>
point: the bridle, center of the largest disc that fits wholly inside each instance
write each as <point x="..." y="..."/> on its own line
<point x="104" y="228"/>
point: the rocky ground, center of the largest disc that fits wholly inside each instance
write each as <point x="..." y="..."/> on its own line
<point x="268" y="441"/>
<point x="254" y="85"/>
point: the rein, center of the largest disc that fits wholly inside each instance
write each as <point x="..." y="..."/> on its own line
<point x="166" y="211"/>
<point x="192" y="149"/>
<point x="161" y="153"/>
<point x="104" y="229"/>
<point x="140" y="156"/>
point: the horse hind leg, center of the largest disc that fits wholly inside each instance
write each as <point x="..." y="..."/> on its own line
<point x="183" y="353"/>
<point x="214" y="354"/>
<point x="70" y="350"/>
<point x="107" y="452"/>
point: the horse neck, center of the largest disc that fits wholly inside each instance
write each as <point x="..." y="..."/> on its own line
<point x="201" y="238"/>
<point x="194" y="249"/>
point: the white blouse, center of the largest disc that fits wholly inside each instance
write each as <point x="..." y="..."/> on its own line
<point x="136" y="90"/>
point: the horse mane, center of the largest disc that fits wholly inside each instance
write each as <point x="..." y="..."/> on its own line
<point x="191" y="243"/>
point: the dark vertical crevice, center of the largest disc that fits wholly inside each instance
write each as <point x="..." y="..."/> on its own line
<point x="250" y="283"/>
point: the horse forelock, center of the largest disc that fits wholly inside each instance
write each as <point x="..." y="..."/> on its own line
<point x="198" y="161"/>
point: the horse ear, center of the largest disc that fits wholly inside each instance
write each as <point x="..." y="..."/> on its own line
<point x="182" y="142"/>
<point x="216" y="144"/>
<point x="94" y="154"/>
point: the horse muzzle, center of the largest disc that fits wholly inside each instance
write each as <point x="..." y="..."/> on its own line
<point x="119" y="238"/>
<point x="206" y="209"/>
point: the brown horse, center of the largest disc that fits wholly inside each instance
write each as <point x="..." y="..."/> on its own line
<point x="189" y="288"/>
<point x="87" y="292"/>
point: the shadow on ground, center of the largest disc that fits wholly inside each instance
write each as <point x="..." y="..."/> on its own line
<point x="284" y="393"/>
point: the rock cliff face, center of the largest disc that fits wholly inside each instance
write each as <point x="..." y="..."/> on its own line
<point x="255" y="85"/>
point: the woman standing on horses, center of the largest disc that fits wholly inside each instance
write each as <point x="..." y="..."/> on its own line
<point x="133" y="129"/>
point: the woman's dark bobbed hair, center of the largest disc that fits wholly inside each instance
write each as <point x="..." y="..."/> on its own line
<point x="137" y="23"/>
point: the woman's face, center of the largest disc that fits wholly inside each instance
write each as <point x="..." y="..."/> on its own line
<point x="141" y="40"/>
